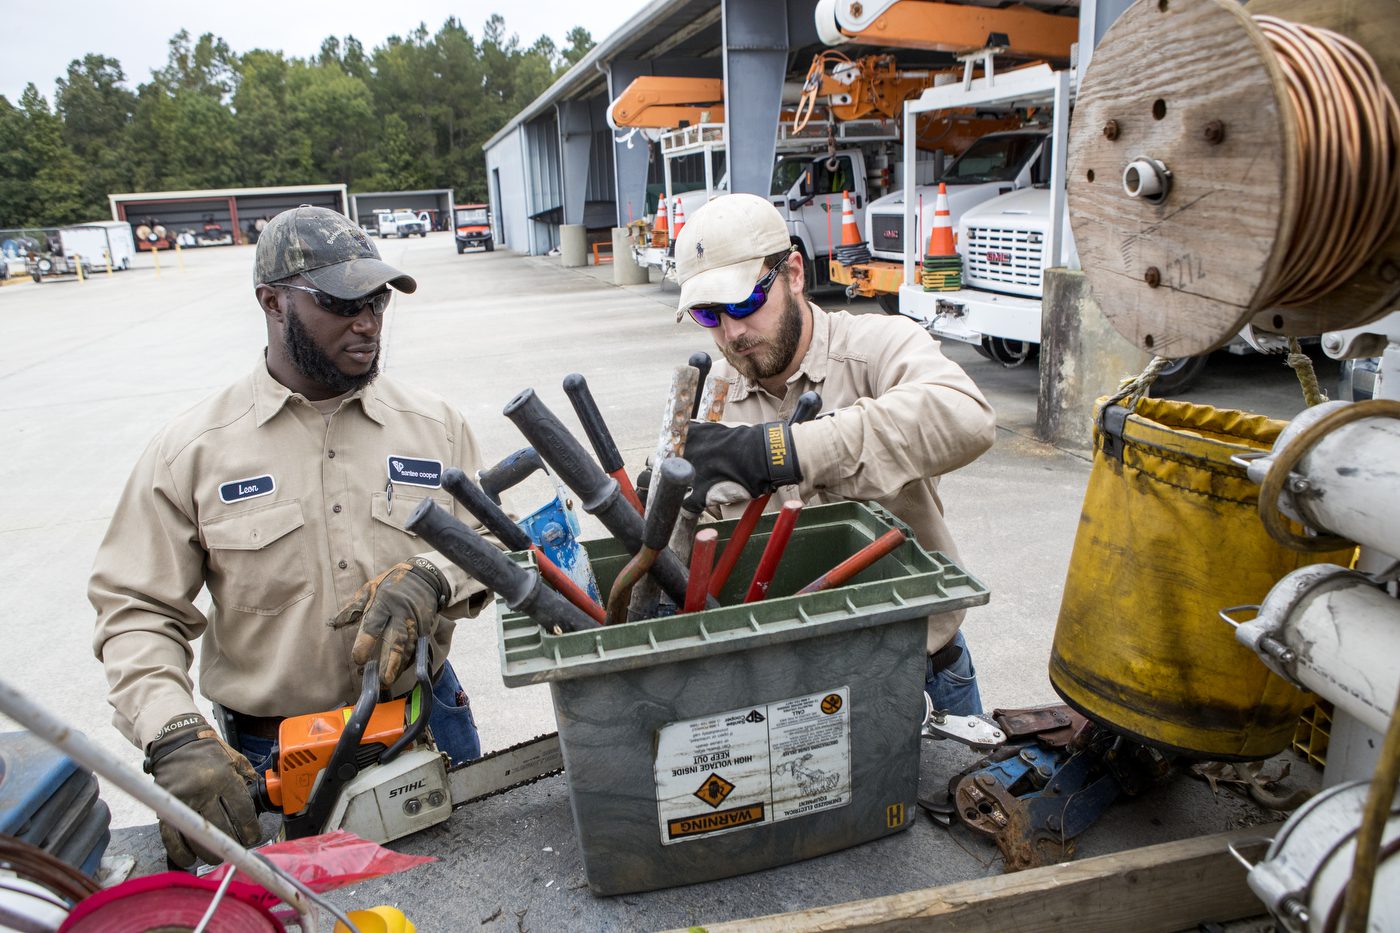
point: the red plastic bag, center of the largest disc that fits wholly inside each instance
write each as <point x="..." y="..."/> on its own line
<point x="333" y="860"/>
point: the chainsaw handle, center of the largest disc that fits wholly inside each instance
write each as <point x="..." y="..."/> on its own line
<point x="424" y="668"/>
<point x="509" y="472"/>
<point x="342" y="767"/>
<point x="485" y="509"/>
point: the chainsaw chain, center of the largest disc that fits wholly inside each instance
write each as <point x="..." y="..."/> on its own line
<point x="510" y="787"/>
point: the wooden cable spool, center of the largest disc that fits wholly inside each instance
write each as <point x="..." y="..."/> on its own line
<point x="1192" y="92"/>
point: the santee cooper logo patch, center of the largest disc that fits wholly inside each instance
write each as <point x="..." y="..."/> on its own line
<point x="413" y="471"/>
<point x="250" y="488"/>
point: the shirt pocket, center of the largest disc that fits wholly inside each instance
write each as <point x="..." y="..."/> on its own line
<point x="257" y="559"/>
<point x="391" y="543"/>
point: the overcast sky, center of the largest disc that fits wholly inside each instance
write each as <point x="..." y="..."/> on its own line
<point x="39" y="40"/>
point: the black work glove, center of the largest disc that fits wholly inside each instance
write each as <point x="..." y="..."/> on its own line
<point x="393" y="610"/>
<point x="190" y="760"/>
<point x="737" y="462"/>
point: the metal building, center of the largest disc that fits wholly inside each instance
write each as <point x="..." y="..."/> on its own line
<point x="436" y="201"/>
<point x="557" y="162"/>
<point x="236" y="210"/>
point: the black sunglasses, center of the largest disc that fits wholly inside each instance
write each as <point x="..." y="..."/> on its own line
<point x="708" y="315"/>
<point x="377" y="303"/>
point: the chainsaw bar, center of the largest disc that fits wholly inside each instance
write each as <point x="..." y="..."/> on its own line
<point x="499" y="771"/>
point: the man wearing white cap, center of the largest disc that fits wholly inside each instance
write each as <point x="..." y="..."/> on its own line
<point x="897" y="413"/>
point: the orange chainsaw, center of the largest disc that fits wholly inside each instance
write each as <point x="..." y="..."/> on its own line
<point x="373" y="769"/>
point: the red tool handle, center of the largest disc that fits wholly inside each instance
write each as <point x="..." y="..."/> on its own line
<point x="567" y="588"/>
<point x="702" y="559"/>
<point x="848" y="568"/>
<point x="747" y="523"/>
<point x="773" y="552"/>
<point x="628" y="491"/>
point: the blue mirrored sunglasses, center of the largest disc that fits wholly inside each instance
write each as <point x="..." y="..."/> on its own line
<point x="377" y="303"/>
<point x="708" y="315"/>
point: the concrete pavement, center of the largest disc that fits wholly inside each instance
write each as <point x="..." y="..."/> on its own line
<point x="91" y="371"/>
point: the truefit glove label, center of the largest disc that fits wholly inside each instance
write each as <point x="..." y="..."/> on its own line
<point x="782" y="464"/>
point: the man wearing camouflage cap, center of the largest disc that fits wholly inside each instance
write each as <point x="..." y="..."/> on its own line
<point x="285" y="495"/>
<point x="897" y="413"/>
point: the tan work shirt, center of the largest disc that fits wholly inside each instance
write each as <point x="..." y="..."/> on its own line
<point x="282" y="515"/>
<point x="904" y="414"/>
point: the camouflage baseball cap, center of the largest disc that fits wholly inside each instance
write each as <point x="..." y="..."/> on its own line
<point x="328" y="250"/>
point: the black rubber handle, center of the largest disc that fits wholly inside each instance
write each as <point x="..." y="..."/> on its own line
<point x="475" y="500"/>
<point x="701" y="361"/>
<point x="547" y="434"/>
<point x="523" y="590"/>
<point x="594" y="428"/>
<point x="672" y="482"/>
<point x="509" y="472"/>
<point x="808" y="404"/>
<point x="598" y="493"/>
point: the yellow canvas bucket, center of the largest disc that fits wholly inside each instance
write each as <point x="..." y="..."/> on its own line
<point x="1170" y="535"/>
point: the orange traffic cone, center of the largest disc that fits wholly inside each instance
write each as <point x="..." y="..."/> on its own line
<point x="942" y="266"/>
<point x="659" y="234"/>
<point x="680" y="219"/>
<point x="940" y="238"/>
<point x="850" y="233"/>
<point x="852" y="249"/>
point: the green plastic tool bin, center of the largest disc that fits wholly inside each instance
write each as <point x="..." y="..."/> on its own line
<point x="711" y="744"/>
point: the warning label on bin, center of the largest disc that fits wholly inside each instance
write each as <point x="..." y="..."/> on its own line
<point x="747" y="767"/>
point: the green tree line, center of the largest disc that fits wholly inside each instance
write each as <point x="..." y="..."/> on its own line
<point x="411" y="113"/>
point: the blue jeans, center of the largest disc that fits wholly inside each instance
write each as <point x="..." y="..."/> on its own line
<point x="954" y="689"/>
<point x="454" y="727"/>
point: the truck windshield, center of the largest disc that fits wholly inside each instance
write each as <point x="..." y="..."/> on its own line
<point x="475" y="215"/>
<point x="785" y="174"/>
<point x="993" y="158"/>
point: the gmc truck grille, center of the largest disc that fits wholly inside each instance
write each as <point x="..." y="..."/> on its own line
<point x="888" y="231"/>
<point x="1005" y="256"/>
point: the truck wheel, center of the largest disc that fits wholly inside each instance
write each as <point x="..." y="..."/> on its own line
<point x="461" y="249"/>
<point x="888" y="303"/>
<point x="1179" y="376"/>
<point x="490" y="246"/>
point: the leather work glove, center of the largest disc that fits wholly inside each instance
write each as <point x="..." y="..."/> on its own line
<point x="190" y="761"/>
<point x="737" y="462"/>
<point x="393" y="610"/>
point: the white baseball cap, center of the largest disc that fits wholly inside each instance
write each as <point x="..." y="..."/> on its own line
<point x="720" y="251"/>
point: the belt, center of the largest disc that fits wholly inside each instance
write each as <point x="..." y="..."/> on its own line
<point x="259" y="727"/>
<point x="944" y="658"/>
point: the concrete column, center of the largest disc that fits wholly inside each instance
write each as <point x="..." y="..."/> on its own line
<point x="1081" y="359"/>
<point x="625" y="271"/>
<point x="755" y="63"/>
<point x="573" y="245"/>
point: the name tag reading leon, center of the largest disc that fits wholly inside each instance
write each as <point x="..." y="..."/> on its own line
<point x="415" y="471"/>
<point x="250" y="488"/>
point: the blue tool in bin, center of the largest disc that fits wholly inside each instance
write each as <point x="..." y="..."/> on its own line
<point x="554" y="526"/>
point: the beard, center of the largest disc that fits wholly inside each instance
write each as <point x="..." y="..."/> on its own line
<point x="313" y="363"/>
<point x="774" y="354"/>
